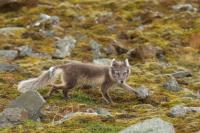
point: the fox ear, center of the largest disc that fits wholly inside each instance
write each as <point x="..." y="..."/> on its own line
<point x="127" y="63"/>
<point x="113" y="63"/>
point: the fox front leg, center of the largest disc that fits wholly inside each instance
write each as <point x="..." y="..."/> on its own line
<point x="106" y="96"/>
<point x="128" y="88"/>
<point x="141" y="92"/>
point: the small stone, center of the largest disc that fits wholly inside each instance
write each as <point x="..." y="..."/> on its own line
<point x="96" y="49"/>
<point x="8" y="54"/>
<point x="142" y="92"/>
<point x="178" y="111"/>
<point x="8" y="67"/>
<point x="24" y="50"/>
<point x="103" y="111"/>
<point x="181" y="74"/>
<point x="32" y="101"/>
<point x="64" y="47"/>
<point x="172" y="85"/>
<point x="154" y="125"/>
<point x="184" y="7"/>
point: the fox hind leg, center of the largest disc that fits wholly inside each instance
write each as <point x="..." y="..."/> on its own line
<point x="53" y="89"/>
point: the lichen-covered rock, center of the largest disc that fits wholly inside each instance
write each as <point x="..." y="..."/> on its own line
<point x="32" y="101"/>
<point x="64" y="47"/>
<point x="154" y="125"/>
<point x="8" y="54"/>
<point x="15" y="115"/>
<point x="11" y="116"/>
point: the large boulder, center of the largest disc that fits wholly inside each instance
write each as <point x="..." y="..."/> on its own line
<point x="32" y="101"/>
<point x="154" y="125"/>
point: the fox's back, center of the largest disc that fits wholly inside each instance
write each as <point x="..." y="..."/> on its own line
<point x="85" y="73"/>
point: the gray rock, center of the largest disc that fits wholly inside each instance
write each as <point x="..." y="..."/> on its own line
<point x="4" y="121"/>
<point x="102" y="61"/>
<point x="96" y="48"/>
<point x="184" y="7"/>
<point x="12" y="116"/>
<point x="32" y="101"/>
<point x="178" y="111"/>
<point x="8" y="67"/>
<point x="181" y="111"/>
<point x="65" y="118"/>
<point x="103" y="112"/>
<point x="64" y="47"/>
<point x="44" y="18"/>
<point x="181" y="74"/>
<point x="8" y="54"/>
<point x="40" y="55"/>
<point x="154" y="125"/>
<point x="15" y="115"/>
<point x="7" y="31"/>
<point x="24" y="50"/>
<point x="142" y="92"/>
<point x="172" y="85"/>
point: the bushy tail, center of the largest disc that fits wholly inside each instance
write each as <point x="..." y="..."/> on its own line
<point x="39" y="82"/>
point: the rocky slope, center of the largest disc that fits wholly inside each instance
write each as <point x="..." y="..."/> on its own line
<point x="159" y="37"/>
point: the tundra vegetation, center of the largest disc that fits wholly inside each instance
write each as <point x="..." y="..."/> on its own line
<point x="161" y="39"/>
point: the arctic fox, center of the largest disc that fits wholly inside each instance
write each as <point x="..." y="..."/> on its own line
<point x="74" y="73"/>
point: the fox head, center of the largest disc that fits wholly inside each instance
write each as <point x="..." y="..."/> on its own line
<point x="120" y="71"/>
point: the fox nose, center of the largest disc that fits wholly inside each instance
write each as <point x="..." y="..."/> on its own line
<point x="121" y="81"/>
